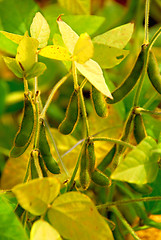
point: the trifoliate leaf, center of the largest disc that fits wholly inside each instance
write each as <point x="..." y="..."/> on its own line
<point x="42" y="230"/>
<point x="140" y="164"/>
<point x="108" y="57"/>
<point x="13" y="65"/>
<point x="92" y="71"/>
<point x="70" y="38"/>
<point x="55" y="52"/>
<point x="83" y="50"/>
<point x="26" y="52"/>
<point x="37" y="69"/>
<point x="35" y="195"/>
<point x="75" y="217"/>
<point x="13" y="37"/>
<point x="40" y="30"/>
<point x="117" y="37"/>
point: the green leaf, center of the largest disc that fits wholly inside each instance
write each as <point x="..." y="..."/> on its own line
<point x="3" y="95"/>
<point x="89" y="24"/>
<point x="117" y="37"/>
<point x="92" y="71"/>
<point x="13" y="37"/>
<point x="40" y="30"/>
<point x="76" y="6"/>
<point x="75" y="217"/>
<point x="108" y="57"/>
<point x="55" y="52"/>
<point x="42" y="230"/>
<point x="10" y="227"/>
<point x="35" y="195"/>
<point x="83" y="50"/>
<point x="37" y="69"/>
<point x="140" y="165"/>
<point x="13" y="65"/>
<point x="26" y="52"/>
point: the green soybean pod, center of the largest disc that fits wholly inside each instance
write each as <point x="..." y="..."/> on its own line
<point x="107" y="159"/>
<point x="99" y="102"/>
<point x="84" y="177"/>
<point x="154" y="72"/>
<point x="72" y="115"/>
<point x="143" y="188"/>
<point x="44" y="148"/>
<point x="121" y="91"/>
<point x="91" y="156"/>
<point x="23" y="136"/>
<point x="139" y="128"/>
<point x="100" y="178"/>
<point x="18" y="151"/>
<point x="42" y="166"/>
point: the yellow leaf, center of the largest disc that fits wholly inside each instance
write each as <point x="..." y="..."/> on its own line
<point x="70" y="38"/>
<point x="35" y="195"/>
<point x="76" y="6"/>
<point x="75" y="217"/>
<point x="92" y="71"/>
<point x="40" y="30"/>
<point x="83" y="50"/>
<point x="26" y="52"/>
<point x="13" y="37"/>
<point x="42" y="230"/>
<point x="55" y="52"/>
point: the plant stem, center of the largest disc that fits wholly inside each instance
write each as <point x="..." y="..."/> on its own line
<point x="26" y="89"/>
<point x="70" y="184"/>
<point x="117" y="141"/>
<point x="55" y="88"/>
<point x="122" y="202"/>
<point x="142" y="110"/>
<point x="36" y="79"/>
<point x="124" y="222"/>
<point x="37" y="122"/>
<point x="147" y="7"/>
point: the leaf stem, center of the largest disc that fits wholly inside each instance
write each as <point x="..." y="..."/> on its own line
<point x="70" y="184"/>
<point x="55" y="88"/>
<point x="75" y="77"/>
<point x="4" y="151"/>
<point x="124" y="222"/>
<point x="147" y="7"/>
<point x="36" y="79"/>
<point x="117" y="141"/>
<point x="26" y="89"/>
<point x="128" y="201"/>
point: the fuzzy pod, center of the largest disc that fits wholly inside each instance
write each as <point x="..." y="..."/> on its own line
<point x="84" y="177"/>
<point x="44" y="148"/>
<point x="42" y="166"/>
<point x="23" y="135"/>
<point x="34" y="173"/>
<point x="91" y="156"/>
<point x="18" y="151"/>
<point x="100" y="178"/>
<point x="139" y="128"/>
<point x="107" y="159"/>
<point x="143" y="188"/>
<point x="99" y="102"/>
<point x="72" y="115"/>
<point x="128" y="84"/>
<point x="154" y="72"/>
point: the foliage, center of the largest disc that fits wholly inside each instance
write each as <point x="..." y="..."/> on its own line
<point x="85" y="162"/>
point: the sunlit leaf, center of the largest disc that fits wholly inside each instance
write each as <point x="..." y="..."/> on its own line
<point x="40" y="30"/>
<point x="108" y="57"/>
<point x="42" y="230"/>
<point x="35" y="195"/>
<point x="55" y="52"/>
<point x="76" y="6"/>
<point x="13" y="37"/>
<point x="13" y="65"/>
<point x="75" y="217"/>
<point x="26" y="52"/>
<point x="10" y="226"/>
<point x="37" y="69"/>
<point x="70" y="38"/>
<point x="92" y="71"/>
<point x="140" y="165"/>
<point x="83" y="50"/>
<point x="117" y="37"/>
